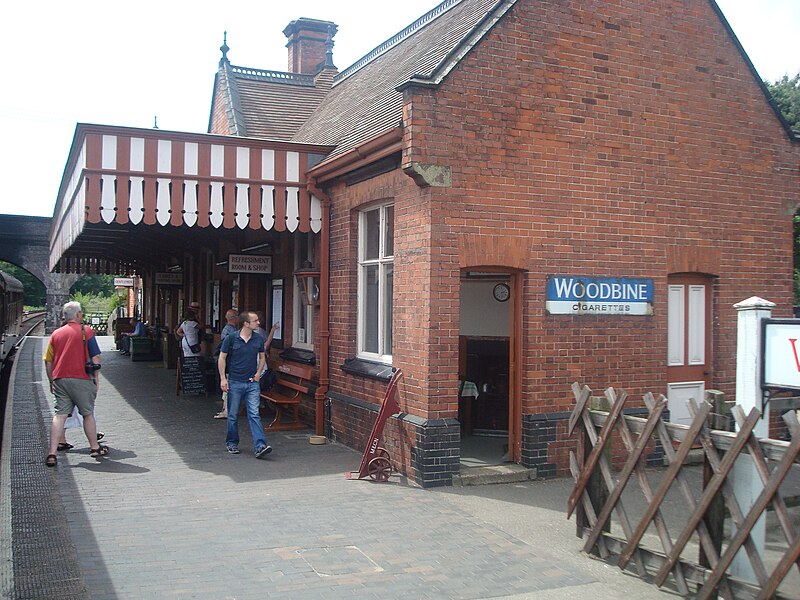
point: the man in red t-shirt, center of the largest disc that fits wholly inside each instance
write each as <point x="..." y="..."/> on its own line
<point x="70" y="350"/>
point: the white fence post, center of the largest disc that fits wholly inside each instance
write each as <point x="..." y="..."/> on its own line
<point x="746" y="482"/>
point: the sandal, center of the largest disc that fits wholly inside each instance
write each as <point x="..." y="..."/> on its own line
<point x="51" y="460"/>
<point x="100" y="435"/>
<point x="98" y="452"/>
<point x="64" y="446"/>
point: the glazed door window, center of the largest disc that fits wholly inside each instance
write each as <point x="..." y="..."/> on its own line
<point x="375" y="282"/>
<point x="303" y="322"/>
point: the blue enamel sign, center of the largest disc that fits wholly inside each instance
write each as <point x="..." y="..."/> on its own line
<point x="577" y="295"/>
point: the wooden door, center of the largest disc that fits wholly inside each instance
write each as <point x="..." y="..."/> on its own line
<point x="688" y="342"/>
<point x="515" y="370"/>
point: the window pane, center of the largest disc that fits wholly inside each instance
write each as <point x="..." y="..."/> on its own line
<point x="302" y="320"/>
<point x="387" y="309"/>
<point x="371" y="309"/>
<point x="372" y="234"/>
<point x="388" y="225"/>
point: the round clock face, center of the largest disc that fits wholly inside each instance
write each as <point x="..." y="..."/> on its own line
<point x="501" y="292"/>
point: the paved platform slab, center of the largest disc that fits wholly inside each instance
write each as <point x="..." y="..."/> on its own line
<point x="169" y="514"/>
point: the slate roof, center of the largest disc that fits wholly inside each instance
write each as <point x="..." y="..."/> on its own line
<point x="269" y="104"/>
<point x="364" y="101"/>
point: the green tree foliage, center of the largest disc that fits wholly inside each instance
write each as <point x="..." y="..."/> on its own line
<point x="96" y="303"/>
<point x="95" y="293"/>
<point x="786" y="92"/>
<point x="94" y="284"/>
<point x="35" y="295"/>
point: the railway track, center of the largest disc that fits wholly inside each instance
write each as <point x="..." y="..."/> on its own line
<point x="32" y="324"/>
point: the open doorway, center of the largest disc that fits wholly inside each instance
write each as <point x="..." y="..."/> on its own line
<point x="484" y="368"/>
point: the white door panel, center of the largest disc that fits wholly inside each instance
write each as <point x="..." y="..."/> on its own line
<point x="678" y="395"/>
<point x="697" y="324"/>
<point x="675" y="320"/>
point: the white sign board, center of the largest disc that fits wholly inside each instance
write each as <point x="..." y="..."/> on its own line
<point x="780" y="354"/>
<point x="607" y="296"/>
<point x="249" y="263"/>
<point x="123" y="281"/>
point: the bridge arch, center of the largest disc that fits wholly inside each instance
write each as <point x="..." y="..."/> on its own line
<point x="24" y="242"/>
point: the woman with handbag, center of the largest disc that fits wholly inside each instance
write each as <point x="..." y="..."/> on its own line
<point x="189" y="332"/>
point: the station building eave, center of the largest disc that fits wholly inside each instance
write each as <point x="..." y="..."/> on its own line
<point x="126" y="191"/>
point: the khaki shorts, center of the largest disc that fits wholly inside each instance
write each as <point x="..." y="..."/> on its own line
<point x="70" y="393"/>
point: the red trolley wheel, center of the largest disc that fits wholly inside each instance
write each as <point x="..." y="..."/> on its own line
<point x="379" y="469"/>
<point x="382" y="452"/>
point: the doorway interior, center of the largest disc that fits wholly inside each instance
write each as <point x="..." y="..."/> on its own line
<point x="484" y="368"/>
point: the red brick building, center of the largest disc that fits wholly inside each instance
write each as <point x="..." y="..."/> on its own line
<point x="487" y="158"/>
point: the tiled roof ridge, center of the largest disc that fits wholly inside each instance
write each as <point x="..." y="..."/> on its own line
<point x="396" y="39"/>
<point x="236" y="120"/>
<point x="304" y="79"/>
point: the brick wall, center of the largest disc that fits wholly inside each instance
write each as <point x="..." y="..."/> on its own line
<point x="586" y="138"/>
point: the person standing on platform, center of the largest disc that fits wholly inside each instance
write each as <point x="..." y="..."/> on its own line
<point x="189" y="334"/>
<point x="267" y="377"/>
<point x="231" y="320"/>
<point x="245" y="351"/>
<point x="267" y="336"/>
<point x="71" y="362"/>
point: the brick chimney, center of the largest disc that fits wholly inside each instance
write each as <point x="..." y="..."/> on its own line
<point x="310" y="45"/>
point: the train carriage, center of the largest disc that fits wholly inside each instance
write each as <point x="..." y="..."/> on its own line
<point x="11" y="309"/>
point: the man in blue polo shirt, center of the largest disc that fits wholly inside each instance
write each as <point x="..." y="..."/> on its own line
<point x="245" y="353"/>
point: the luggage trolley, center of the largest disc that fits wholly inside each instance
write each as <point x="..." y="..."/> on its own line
<point x="375" y="462"/>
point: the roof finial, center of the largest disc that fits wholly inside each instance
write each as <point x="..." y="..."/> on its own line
<point x="155" y="122"/>
<point x="329" y="49"/>
<point x="224" y="48"/>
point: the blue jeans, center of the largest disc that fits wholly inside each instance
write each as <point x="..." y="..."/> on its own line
<point x="249" y="391"/>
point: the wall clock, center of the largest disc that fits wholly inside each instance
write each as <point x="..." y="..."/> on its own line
<point x="501" y="292"/>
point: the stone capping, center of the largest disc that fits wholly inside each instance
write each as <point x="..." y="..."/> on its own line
<point x="560" y="416"/>
<point x="368" y="368"/>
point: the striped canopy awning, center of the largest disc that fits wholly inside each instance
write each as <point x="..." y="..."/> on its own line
<point x="151" y="177"/>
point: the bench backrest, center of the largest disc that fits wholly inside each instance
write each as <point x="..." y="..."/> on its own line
<point x="301" y="372"/>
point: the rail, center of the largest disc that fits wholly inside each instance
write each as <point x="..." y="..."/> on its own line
<point x="30" y="321"/>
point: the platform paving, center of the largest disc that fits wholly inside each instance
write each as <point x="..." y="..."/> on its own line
<point x="169" y="514"/>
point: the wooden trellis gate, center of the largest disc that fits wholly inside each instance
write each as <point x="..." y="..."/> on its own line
<point x="708" y="574"/>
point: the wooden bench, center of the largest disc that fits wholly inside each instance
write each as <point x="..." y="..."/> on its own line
<point x="291" y="383"/>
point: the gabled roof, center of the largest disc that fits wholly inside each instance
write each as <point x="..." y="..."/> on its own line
<point x="268" y="104"/>
<point x="365" y="100"/>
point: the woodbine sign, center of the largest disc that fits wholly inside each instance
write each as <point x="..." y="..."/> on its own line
<point x="579" y="295"/>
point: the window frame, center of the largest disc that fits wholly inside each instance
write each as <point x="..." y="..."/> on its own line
<point x="383" y="262"/>
<point x="302" y="252"/>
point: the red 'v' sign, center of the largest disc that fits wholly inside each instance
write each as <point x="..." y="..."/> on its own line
<point x="794" y="349"/>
